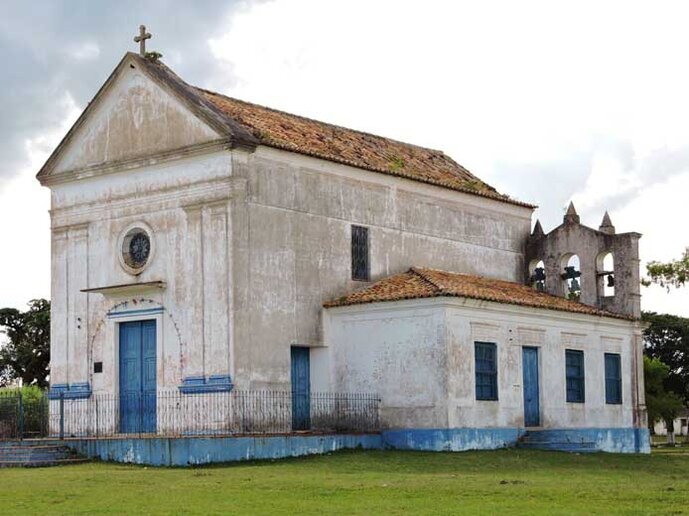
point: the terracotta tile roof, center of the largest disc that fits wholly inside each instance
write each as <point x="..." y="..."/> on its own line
<point x="334" y="143"/>
<point x="425" y="283"/>
<point x="249" y="125"/>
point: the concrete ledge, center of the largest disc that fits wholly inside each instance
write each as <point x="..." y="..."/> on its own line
<point x="200" y="385"/>
<point x="182" y="451"/>
<point x="451" y="439"/>
<point x="73" y="391"/>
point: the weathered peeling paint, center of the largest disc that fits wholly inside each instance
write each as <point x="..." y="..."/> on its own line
<point x="195" y="451"/>
<point x="419" y="356"/>
<point x="135" y="117"/>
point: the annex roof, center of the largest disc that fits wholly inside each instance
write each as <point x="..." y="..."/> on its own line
<point x="419" y="283"/>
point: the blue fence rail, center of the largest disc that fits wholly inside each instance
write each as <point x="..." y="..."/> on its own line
<point x="173" y="413"/>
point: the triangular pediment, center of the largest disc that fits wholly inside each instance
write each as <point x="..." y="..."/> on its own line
<point x="139" y="112"/>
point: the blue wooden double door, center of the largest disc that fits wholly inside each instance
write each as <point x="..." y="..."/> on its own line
<point x="301" y="388"/>
<point x="138" y="377"/>
<point x="532" y="395"/>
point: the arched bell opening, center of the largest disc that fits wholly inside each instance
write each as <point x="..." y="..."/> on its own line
<point x="571" y="276"/>
<point x="537" y="277"/>
<point x="605" y="274"/>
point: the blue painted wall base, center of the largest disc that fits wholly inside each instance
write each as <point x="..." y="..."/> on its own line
<point x="451" y="439"/>
<point x="187" y="451"/>
<point x="614" y="440"/>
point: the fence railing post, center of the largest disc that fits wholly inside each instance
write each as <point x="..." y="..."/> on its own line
<point x="62" y="416"/>
<point x="20" y="425"/>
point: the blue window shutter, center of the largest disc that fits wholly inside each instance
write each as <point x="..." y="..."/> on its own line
<point x="613" y="379"/>
<point x="575" y="378"/>
<point x="486" y="365"/>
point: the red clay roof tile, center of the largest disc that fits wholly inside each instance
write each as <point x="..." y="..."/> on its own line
<point x="295" y="133"/>
<point x="419" y="283"/>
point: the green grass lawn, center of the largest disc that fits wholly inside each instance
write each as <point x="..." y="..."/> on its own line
<point x="504" y="482"/>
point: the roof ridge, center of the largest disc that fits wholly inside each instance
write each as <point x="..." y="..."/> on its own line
<point x="419" y="272"/>
<point x="237" y="130"/>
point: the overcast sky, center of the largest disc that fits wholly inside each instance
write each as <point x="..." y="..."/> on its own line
<point x="547" y="101"/>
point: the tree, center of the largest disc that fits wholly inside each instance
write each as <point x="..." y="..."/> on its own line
<point x="674" y="273"/>
<point x="660" y="403"/>
<point x="667" y="339"/>
<point x="26" y="355"/>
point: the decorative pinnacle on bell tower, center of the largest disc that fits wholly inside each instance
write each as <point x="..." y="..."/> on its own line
<point x="606" y="226"/>
<point x="538" y="230"/>
<point x="141" y="40"/>
<point x="571" y="217"/>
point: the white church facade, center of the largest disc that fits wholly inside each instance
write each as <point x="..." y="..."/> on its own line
<point x="203" y="245"/>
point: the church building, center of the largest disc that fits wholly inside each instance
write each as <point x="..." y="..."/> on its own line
<point x="202" y="244"/>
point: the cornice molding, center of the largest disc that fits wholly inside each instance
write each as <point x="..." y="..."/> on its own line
<point x="114" y="167"/>
<point x="170" y="197"/>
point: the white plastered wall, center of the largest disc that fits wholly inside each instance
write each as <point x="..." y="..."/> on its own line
<point x="419" y="356"/>
<point x="187" y="205"/>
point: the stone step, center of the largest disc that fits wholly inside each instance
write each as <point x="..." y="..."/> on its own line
<point x="30" y="443"/>
<point x="9" y="449"/>
<point x="36" y="453"/>
<point x="35" y="456"/>
<point x="30" y="447"/>
<point x="41" y="463"/>
<point x="554" y="435"/>
<point x="20" y="451"/>
<point x="579" y="447"/>
<point x="557" y="440"/>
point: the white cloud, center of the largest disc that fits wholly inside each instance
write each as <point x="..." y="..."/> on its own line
<point x="25" y="222"/>
<point x="84" y="51"/>
<point x="658" y="213"/>
<point x="546" y="100"/>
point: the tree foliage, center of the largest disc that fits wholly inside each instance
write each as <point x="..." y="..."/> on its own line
<point x="660" y="403"/>
<point x="26" y="355"/>
<point x="674" y="273"/>
<point x="667" y="339"/>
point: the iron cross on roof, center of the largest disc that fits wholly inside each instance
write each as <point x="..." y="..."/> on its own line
<point x="141" y="40"/>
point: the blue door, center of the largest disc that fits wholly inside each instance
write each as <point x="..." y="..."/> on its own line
<point x="532" y="411"/>
<point x="301" y="389"/>
<point x="138" y="377"/>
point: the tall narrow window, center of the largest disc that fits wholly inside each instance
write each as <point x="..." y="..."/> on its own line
<point x="486" y="371"/>
<point x="613" y="379"/>
<point x="574" y="364"/>
<point x="361" y="270"/>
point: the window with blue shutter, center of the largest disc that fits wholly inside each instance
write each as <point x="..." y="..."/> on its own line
<point x="486" y="358"/>
<point x="613" y="379"/>
<point x="574" y="364"/>
<point x="361" y="269"/>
